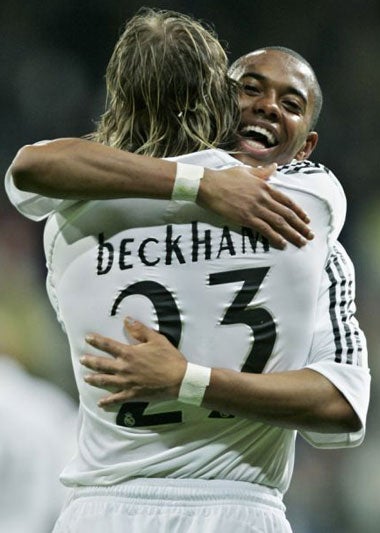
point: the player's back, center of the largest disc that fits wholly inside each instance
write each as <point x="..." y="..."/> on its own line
<point x="219" y="292"/>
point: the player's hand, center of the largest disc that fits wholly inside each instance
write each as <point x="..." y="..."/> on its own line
<point x="241" y="194"/>
<point x="150" y="370"/>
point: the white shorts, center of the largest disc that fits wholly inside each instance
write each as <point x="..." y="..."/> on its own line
<point x="174" y="506"/>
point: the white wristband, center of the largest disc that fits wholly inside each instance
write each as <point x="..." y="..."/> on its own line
<point x="194" y="383"/>
<point x="187" y="181"/>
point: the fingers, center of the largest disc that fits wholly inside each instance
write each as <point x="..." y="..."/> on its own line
<point x="280" y="226"/>
<point x="108" y="373"/>
<point x="137" y="330"/>
<point x="106" y="381"/>
<point x="289" y="203"/>
<point x="284" y="217"/>
<point x="113" y="400"/>
<point x="100" y="364"/>
<point x="285" y="206"/>
<point x="291" y="235"/>
<point x="284" y="220"/>
<point x="279" y="231"/>
<point x="148" y="370"/>
<point x="277" y="216"/>
<point x="105" y="344"/>
<point x="255" y="204"/>
<point x="273" y="236"/>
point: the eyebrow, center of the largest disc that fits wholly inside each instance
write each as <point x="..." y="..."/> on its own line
<point x="290" y="89"/>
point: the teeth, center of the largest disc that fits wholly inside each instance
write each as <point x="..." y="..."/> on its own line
<point x="258" y="129"/>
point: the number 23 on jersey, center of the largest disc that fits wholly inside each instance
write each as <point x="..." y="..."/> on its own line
<point x="131" y="414"/>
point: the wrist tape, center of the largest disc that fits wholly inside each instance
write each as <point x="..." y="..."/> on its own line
<point x="194" y="383"/>
<point x="187" y="181"/>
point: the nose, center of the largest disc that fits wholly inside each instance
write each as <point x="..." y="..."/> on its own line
<point x="266" y="105"/>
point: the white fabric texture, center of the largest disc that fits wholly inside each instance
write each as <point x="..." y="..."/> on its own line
<point x="175" y="506"/>
<point x="208" y="285"/>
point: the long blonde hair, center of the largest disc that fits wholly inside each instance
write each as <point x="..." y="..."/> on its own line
<point x="168" y="91"/>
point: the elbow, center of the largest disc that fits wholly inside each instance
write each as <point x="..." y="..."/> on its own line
<point x="341" y="413"/>
<point x="26" y="168"/>
<point x="346" y="420"/>
<point x="347" y="415"/>
<point x="338" y="417"/>
<point x="353" y="423"/>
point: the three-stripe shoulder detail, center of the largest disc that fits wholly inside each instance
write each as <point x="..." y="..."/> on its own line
<point x="345" y="328"/>
<point x="306" y="167"/>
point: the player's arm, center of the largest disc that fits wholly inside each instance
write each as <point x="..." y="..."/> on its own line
<point x="301" y="399"/>
<point x="78" y="169"/>
<point x="327" y="400"/>
<point x="339" y="348"/>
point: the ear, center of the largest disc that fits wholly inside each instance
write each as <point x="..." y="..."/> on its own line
<point x="308" y="147"/>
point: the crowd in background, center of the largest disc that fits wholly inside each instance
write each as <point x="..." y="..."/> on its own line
<point x="54" y="56"/>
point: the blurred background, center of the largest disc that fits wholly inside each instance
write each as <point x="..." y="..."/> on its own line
<point x="54" y="56"/>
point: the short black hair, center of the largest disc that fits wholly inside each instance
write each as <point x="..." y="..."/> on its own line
<point x="317" y="91"/>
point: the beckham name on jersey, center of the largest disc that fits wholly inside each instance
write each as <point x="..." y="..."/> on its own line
<point x="169" y="248"/>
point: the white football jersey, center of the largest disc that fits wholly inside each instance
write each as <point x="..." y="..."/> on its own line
<point x="225" y="298"/>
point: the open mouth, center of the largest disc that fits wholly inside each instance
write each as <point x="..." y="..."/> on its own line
<point x="259" y="136"/>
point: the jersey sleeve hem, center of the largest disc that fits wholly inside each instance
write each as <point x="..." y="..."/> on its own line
<point x="354" y="384"/>
<point x="32" y="205"/>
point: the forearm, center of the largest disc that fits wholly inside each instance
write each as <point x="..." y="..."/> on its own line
<point x="302" y="400"/>
<point x="80" y="169"/>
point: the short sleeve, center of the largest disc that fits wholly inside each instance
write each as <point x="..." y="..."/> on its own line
<point x="32" y="205"/>
<point x="339" y="349"/>
<point x="317" y="180"/>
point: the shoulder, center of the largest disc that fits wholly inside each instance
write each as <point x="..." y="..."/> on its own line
<point x="311" y="177"/>
<point x="317" y="181"/>
<point x="213" y="158"/>
<point x="305" y="167"/>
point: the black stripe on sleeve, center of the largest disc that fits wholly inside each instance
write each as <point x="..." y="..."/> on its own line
<point x="306" y="167"/>
<point x="333" y="290"/>
<point x="348" y="346"/>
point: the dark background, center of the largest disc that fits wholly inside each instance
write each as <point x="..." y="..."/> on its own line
<point x="53" y="59"/>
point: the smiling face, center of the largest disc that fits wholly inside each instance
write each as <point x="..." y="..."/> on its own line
<point x="277" y="102"/>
